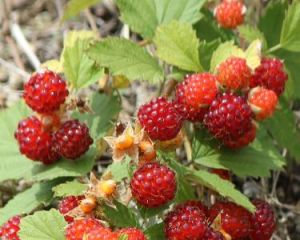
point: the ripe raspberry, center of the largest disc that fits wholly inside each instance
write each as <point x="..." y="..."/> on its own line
<point x="72" y="139"/>
<point x="222" y="173"/>
<point x="193" y="204"/>
<point x="67" y="204"/>
<point x="229" y="117"/>
<point x="34" y="142"/>
<point x="185" y="222"/>
<point x="235" y="220"/>
<point x="132" y="234"/>
<point x="263" y="102"/>
<point x="9" y="230"/>
<point x="153" y="185"/>
<point x="45" y="92"/>
<point x="185" y="110"/>
<point x="101" y="233"/>
<point x="160" y="119"/>
<point x="213" y="235"/>
<point x="247" y="138"/>
<point x="263" y="221"/>
<point x="80" y="227"/>
<point x="234" y="74"/>
<point x="271" y="75"/>
<point x="230" y="13"/>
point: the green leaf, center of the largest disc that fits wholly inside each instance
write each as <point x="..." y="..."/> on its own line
<point x="155" y="232"/>
<point x="120" y="170"/>
<point x="104" y="110"/>
<point x="256" y="160"/>
<point x="250" y="33"/>
<point x="223" y="187"/>
<point x="30" y="199"/>
<point x="145" y="16"/>
<point x="43" y="225"/>
<point x="74" y="7"/>
<point x="73" y="188"/>
<point x="290" y="34"/>
<point x="121" y="215"/>
<point x="253" y="54"/>
<point x="124" y="57"/>
<point x="178" y="45"/>
<point x="206" y="51"/>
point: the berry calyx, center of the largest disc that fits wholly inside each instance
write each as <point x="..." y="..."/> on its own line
<point x="107" y="187"/>
<point x="262" y="221"/>
<point x="72" y="139"/>
<point x="232" y="219"/>
<point x="229" y="117"/>
<point x="271" y="75"/>
<point x="147" y="152"/>
<point x="132" y="234"/>
<point x="81" y="227"/>
<point x="185" y="222"/>
<point x="34" y="142"/>
<point x="230" y="13"/>
<point x="263" y="102"/>
<point x="45" y="92"/>
<point x="153" y="185"/>
<point x="88" y="204"/>
<point x="234" y="74"/>
<point x="67" y="204"/>
<point x="160" y="119"/>
<point x="10" y="229"/>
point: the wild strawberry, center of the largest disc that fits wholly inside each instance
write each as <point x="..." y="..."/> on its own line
<point x="230" y="13"/>
<point x="263" y="221"/>
<point x="45" y="92"/>
<point x="229" y="117"/>
<point x="222" y="173"/>
<point x="81" y="227"/>
<point x="234" y="74"/>
<point x="132" y="234"/>
<point x="9" y="230"/>
<point x="185" y="222"/>
<point x="153" y="185"/>
<point x="160" y="119"/>
<point x="271" y="75"/>
<point x="183" y="108"/>
<point x="67" y="204"/>
<point x="72" y="139"/>
<point x="34" y="142"/>
<point x="101" y="233"/>
<point x="213" y="235"/>
<point x="193" y="204"/>
<point x="263" y="102"/>
<point x="233" y="219"/>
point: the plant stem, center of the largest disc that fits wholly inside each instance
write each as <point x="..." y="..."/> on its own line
<point x="275" y="48"/>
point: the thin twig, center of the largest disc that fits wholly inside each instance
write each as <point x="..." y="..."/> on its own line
<point x="91" y="20"/>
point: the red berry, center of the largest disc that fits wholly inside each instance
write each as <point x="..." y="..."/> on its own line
<point x="263" y="102"/>
<point x="222" y="173"/>
<point x="10" y="229"/>
<point x="67" y="204"/>
<point x="271" y="75"/>
<point x="160" y="119"/>
<point x="263" y="221"/>
<point x="193" y="204"/>
<point x="235" y="220"/>
<point x="230" y="13"/>
<point x="153" y="185"/>
<point x="229" y="117"/>
<point x="186" y="222"/>
<point x="213" y="235"/>
<point x="72" y="139"/>
<point x="45" y="92"/>
<point x="101" y="233"/>
<point x="34" y="142"/>
<point x="247" y="138"/>
<point x="234" y="74"/>
<point x="80" y="227"/>
<point x="132" y="234"/>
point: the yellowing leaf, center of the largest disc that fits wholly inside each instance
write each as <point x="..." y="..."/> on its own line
<point x="253" y="54"/>
<point x="120" y="81"/>
<point x="53" y="65"/>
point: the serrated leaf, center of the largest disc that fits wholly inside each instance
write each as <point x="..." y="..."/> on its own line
<point x="206" y="51"/>
<point x="179" y="38"/>
<point x="30" y="199"/>
<point x="223" y="187"/>
<point x="104" y="109"/>
<point x="121" y="215"/>
<point x="120" y="170"/>
<point x="250" y="34"/>
<point x="74" y="7"/>
<point x="155" y="232"/>
<point x="43" y="225"/>
<point x="256" y="160"/>
<point x="145" y="16"/>
<point x="124" y="57"/>
<point x="290" y="33"/>
<point x="73" y="188"/>
<point x="224" y="51"/>
<point x="253" y="54"/>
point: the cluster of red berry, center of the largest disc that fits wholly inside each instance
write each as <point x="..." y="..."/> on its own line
<point x="225" y="103"/>
<point x="45" y="137"/>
